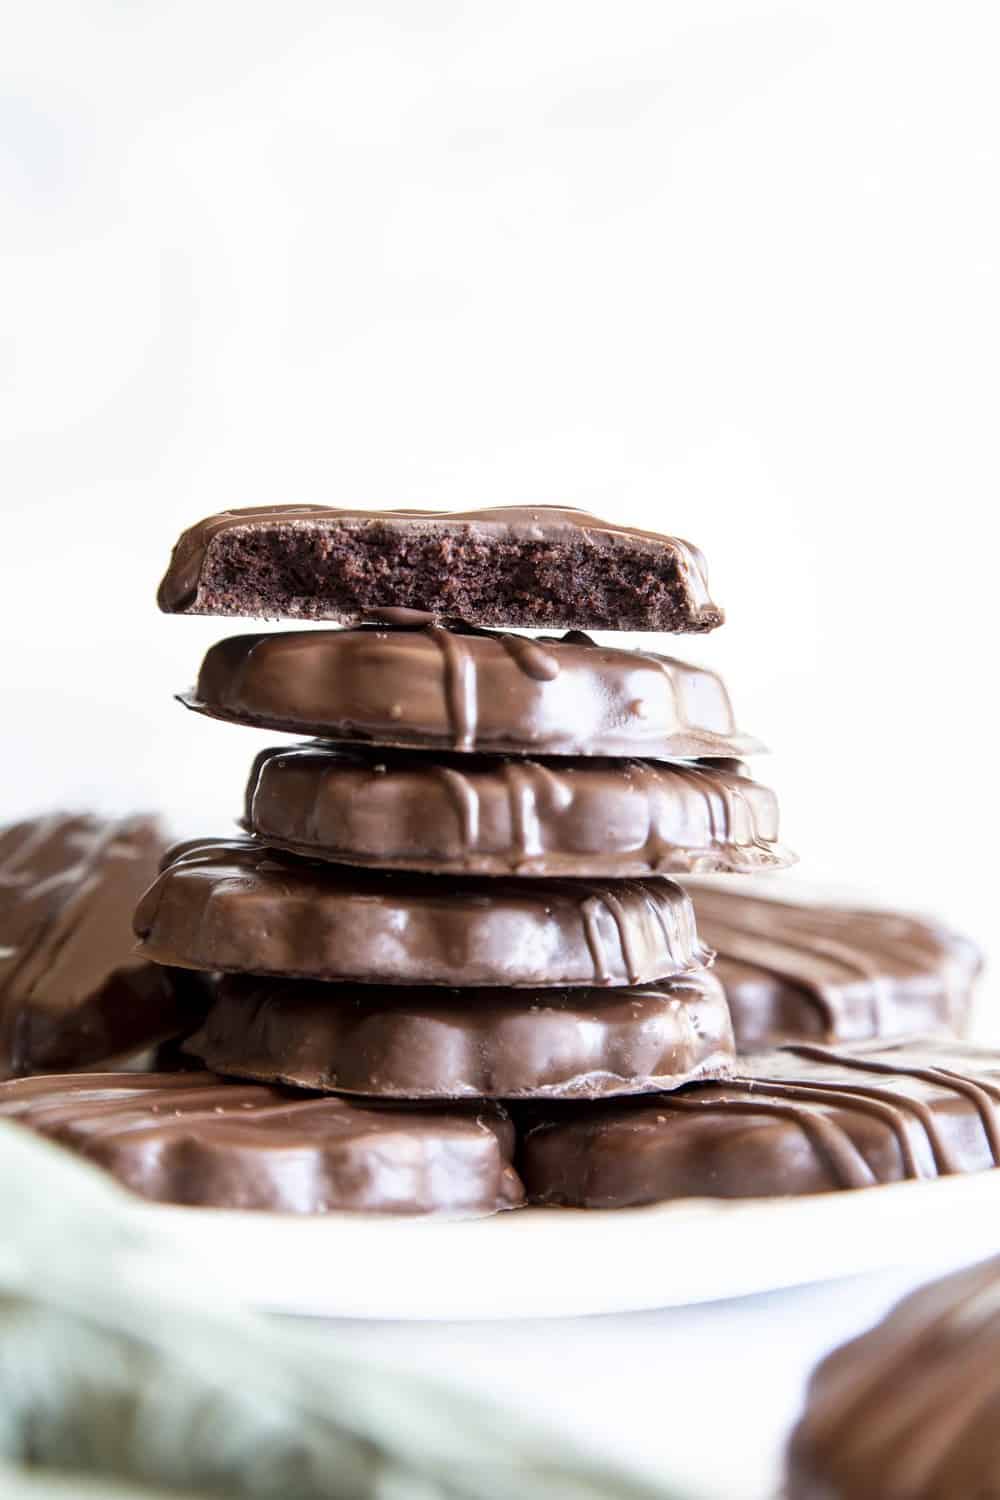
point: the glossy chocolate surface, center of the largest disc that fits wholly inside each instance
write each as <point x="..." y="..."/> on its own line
<point x="908" y="1411"/>
<point x="798" y="971"/>
<point x="535" y="566"/>
<point x="798" y="1120"/>
<point x="240" y="907"/>
<point x="500" y="816"/>
<point x="195" y="1139"/>
<point x="72" y="990"/>
<point x="442" y="688"/>
<point x="439" y="1043"/>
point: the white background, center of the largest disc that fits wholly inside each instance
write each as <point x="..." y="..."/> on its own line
<point x="729" y="269"/>
<point x="725" y="268"/>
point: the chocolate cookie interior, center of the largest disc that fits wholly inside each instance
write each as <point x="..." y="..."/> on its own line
<point x="539" y="566"/>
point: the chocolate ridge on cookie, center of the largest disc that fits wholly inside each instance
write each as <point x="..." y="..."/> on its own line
<point x="535" y="566"/>
<point x="441" y="1043"/>
<point x="195" y="1139"/>
<point x="500" y="816"/>
<point x="465" y="690"/>
<point x="908" y="1411"/>
<point x="801" y="970"/>
<point x="238" y="906"/>
<point x="72" y="990"/>
<point x="802" y="1119"/>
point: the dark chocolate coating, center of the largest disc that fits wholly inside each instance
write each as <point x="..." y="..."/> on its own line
<point x="239" y="907"/>
<point x="454" y="814"/>
<point x="443" y="688"/>
<point x="196" y="1139"/>
<point x="799" y="1120"/>
<point x="437" y="1043"/>
<point x="540" y="566"/>
<point x="911" y="1409"/>
<point x="794" y="971"/>
<point x="72" y="990"/>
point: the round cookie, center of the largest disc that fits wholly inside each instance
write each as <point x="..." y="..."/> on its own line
<point x="799" y="1120"/>
<point x="240" y="907"/>
<point x="454" y="814"/>
<point x="909" y="1411"/>
<point x="796" y="971"/>
<point x="196" y="1139"/>
<point x="540" y="566"/>
<point x="448" y="688"/>
<point x="73" y="993"/>
<point x="505" y="1044"/>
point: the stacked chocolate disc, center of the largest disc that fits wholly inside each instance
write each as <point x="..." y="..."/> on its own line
<point x="460" y="889"/>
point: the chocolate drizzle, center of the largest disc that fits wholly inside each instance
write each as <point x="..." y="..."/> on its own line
<point x="442" y="687"/>
<point x="461" y="680"/>
<point x="913" y="1122"/>
<point x="895" y="1106"/>
<point x="461" y="688"/>
<point x="828" y="1140"/>
<point x="240" y="907"/>
<point x="982" y="1094"/>
<point x="531" y="657"/>
<point x="492" y="815"/>
<point x="72" y="991"/>
<point x="532" y="789"/>
<point x="45" y="871"/>
<point x="590" y="910"/>
<point x="805" y="970"/>
<point x="197" y="1139"/>
<point x="465" y="800"/>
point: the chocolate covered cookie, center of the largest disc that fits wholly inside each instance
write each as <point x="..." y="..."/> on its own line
<point x="441" y="688"/>
<point x="796" y="971"/>
<point x="909" y="1410"/>
<point x="537" y="566"/>
<point x="803" y="1119"/>
<point x="240" y="907"/>
<point x="439" y="1043"/>
<point x="192" y="1138"/>
<point x="495" y="815"/>
<point x="72" y="990"/>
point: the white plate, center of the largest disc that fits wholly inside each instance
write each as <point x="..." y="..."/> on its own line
<point x="556" y="1262"/>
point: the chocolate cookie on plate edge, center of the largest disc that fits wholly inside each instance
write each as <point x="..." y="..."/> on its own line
<point x="801" y="1119"/>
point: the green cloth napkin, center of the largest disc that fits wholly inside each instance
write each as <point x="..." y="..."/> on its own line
<point x="118" y="1363"/>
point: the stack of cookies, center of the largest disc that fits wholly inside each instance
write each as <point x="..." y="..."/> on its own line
<point x="448" y="962"/>
<point x="460" y="889"/>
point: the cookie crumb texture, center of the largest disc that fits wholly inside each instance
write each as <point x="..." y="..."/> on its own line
<point x="345" y="573"/>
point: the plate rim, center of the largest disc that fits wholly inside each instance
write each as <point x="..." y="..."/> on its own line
<point x="550" y="1261"/>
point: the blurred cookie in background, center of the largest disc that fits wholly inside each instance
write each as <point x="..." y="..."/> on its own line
<point x="806" y="970"/>
<point x="908" y="1411"/>
<point x="73" y="991"/>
